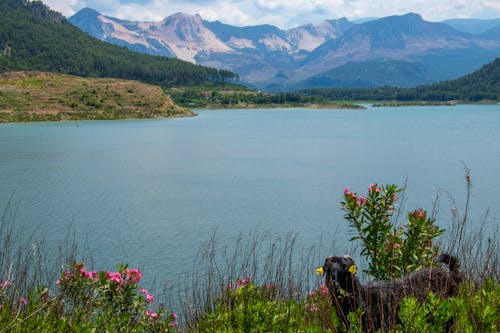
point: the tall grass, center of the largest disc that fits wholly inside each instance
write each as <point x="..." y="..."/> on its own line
<point x="266" y="261"/>
<point x="254" y="283"/>
<point x="24" y="259"/>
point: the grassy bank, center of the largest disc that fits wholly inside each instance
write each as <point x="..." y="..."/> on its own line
<point x="255" y="284"/>
<point x="39" y="96"/>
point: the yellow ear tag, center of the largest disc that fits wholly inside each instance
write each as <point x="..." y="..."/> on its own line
<point x="353" y="269"/>
<point x="320" y="270"/>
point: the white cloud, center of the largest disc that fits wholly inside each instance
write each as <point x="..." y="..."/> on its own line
<point x="283" y="13"/>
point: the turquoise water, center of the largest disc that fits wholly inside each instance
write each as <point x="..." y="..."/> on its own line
<point x="150" y="192"/>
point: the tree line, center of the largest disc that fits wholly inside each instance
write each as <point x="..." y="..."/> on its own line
<point x="481" y="85"/>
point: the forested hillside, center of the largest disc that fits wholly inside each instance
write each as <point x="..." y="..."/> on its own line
<point x="481" y="85"/>
<point x="32" y="37"/>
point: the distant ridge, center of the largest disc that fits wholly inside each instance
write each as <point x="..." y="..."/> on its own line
<point x="269" y="58"/>
<point x="473" y="26"/>
<point x="481" y="85"/>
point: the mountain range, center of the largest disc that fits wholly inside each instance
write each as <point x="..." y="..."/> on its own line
<point x="396" y="50"/>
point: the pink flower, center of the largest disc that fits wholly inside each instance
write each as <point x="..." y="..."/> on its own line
<point x="23" y="300"/>
<point x="358" y="203"/>
<point x="5" y="284"/>
<point x="243" y="282"/>
<point x="347" y="191"/>
<point x="377" y="189"/>
<point x="114" y="277"/>
<point x="246" y="280"/>
<point x="143" y="290"/>
<point x="174" y="324"/>
<point x="152" y="315"/>
<point x="91" y="275"/>
<point x="394" y="197"/>
<point x="174" y="316"/>
<point x="150" y="298"/>
<point x="324" y="289"/>
<point x="58" y="281"/>
<point x="133" y="275"/>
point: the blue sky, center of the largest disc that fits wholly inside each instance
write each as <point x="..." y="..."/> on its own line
<point x="282" y="13"/>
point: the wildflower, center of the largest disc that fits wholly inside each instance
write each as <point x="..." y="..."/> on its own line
<point x="144" y="290"/>
<point x="152" y="315"/>
<point x="91" y="275"/>
<point x="173" y="322"/>
<point x="149" y="298"/>
<point x="246" y="280"/>
<point x="5" y="284"/>
<point x="394" y="197"/>
<point x="114" y="277"/>
<point x="23" y="300"/>
<point x="133" y="275"/>
<point x="58" y="281"/>
<point x="324" y="289"/>
<point x="347" y="191"/>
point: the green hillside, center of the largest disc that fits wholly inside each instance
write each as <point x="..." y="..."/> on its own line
<point x="40" y="96"/>
<point x="481" y="85"/>
<point x="34" y="38"/>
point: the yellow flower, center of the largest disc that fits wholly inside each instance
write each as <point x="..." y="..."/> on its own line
<point x="320" y="270"/>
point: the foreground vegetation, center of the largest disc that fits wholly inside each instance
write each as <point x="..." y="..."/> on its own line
<point x="259" y="285"/>
<point x="36" y="96"/>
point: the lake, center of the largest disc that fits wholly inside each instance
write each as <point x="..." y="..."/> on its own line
<point x="150" y="192"/>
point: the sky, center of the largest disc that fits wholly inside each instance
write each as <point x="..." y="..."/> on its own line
<point x="282" y="13"/>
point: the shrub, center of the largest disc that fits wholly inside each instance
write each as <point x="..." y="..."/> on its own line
<point x="111" y="299"/>
<point x="391" y="251"/>
<point x="246" y="307"/>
